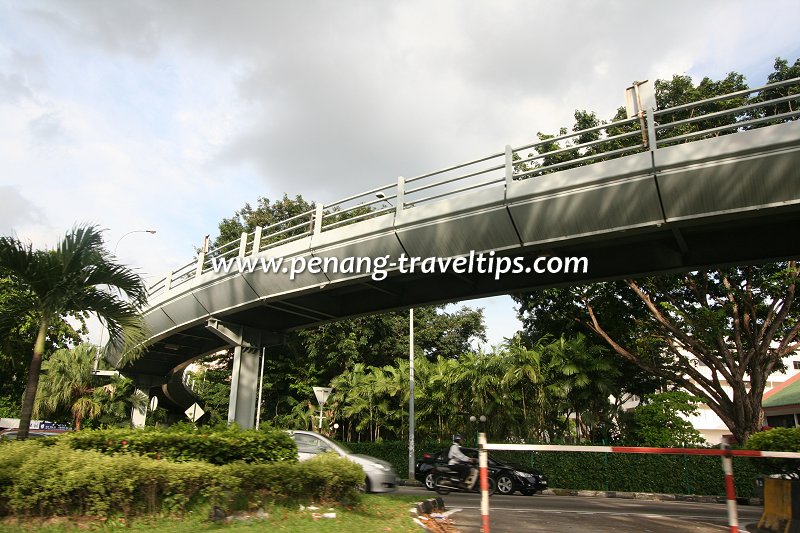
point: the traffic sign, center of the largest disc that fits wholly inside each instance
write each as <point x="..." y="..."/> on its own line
<point x="194" y="412"/>
<point x="322" y="394"/>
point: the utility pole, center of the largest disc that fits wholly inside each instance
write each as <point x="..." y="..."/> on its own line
<point x="411" y="453"/>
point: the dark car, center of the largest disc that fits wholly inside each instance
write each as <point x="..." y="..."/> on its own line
<point x="508" y="478"/>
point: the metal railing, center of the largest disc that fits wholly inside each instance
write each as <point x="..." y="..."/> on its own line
<point x="738" y="111"/>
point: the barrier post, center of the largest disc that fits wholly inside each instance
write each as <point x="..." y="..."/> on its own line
<point x="483" y="464"/>
<point x="730" y="488"/>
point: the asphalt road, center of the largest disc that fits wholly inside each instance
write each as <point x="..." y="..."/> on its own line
<point x="540" y="513"/>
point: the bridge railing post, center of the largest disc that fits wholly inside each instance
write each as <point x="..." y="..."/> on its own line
<point x="646" y="102"/>
<point x="401" y="193"/>
<point x="201" y="259"/>
<point x="243" y="244"/>
<point x="318" y="219"/>
<point x="651" y="128"/>
<point x="256" y="241"/>
<point x="509" y="166"/>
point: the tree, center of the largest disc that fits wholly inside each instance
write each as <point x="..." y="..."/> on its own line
<point x="116" y="398"/>
<point x="658" y="421"/>
<point x="705" y="331"/>
<point x="74" y="279"/>
<point x="737" y="322"/>
<point x="66" y="386"/>
<point x="16" y="337"/>
<point x="70" y="392"/>
<point x="266" y="213"/>
<point x="580" y="374"/>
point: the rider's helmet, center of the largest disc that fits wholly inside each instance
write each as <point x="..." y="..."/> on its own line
<point x="457" y="438"/>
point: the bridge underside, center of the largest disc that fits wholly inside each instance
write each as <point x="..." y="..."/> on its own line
<point x="637" y="253"/>
<point x="725" y="201"/>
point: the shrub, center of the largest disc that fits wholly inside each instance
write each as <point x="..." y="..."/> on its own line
<point x="324" y="478"/>
<point x="777" y="440"/>
<point x="216" y="445"/>
<point x="57" y="480"/>
<point x="328" y="477"/>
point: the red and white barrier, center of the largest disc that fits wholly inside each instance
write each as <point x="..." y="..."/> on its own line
<point x="730" y="488"/>
<point x="483" y="464"/>
<point x="724" y="451"/>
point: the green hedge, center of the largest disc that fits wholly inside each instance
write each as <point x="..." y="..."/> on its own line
<point x="670" y="474"/>
<point x="50" y="478"/>
<point x="215" y="445"/>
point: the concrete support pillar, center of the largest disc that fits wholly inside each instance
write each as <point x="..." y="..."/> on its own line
<point x="139" y="414"/>
<point x="247" y="343"/>
<point x="244" y="387"/>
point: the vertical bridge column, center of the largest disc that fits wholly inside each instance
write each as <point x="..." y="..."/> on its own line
<point x="143" y="384"/>
<point x="244" y="379"/>
<point x="244" y="387"/>
<point x="139" y="414"/>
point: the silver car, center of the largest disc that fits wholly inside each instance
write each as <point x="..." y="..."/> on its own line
<point x="380" y="475"/>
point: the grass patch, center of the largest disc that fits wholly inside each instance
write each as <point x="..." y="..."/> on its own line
<point x="373" y="513"/>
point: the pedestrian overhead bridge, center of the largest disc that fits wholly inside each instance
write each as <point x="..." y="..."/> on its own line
<point x="709" y="183"/>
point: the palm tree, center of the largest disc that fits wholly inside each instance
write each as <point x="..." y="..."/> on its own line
<point x="524" y="376"/>
<point x="66" y="385"/>
<point x="581" y="377"/>
<point x="116" y="399"/>
<point x="76" y="278"/>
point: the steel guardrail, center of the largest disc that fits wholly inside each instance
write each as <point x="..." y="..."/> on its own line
<point x="570" y="150"/>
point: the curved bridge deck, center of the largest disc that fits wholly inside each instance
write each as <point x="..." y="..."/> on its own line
<point x="636" y="197"/>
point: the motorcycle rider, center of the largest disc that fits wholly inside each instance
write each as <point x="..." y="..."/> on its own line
<point x="456" y="459"/>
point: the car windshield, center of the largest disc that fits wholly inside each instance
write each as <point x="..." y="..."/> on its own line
<point x="315" y="443"/>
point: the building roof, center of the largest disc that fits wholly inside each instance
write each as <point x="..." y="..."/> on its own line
<point x="787" y="393"/>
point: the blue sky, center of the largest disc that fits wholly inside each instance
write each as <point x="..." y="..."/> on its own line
<point x="172" y="114"/>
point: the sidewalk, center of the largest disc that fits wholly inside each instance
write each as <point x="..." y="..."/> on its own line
<point x="694" y="498"/>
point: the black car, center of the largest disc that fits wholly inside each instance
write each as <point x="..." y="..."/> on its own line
<point x="508" y="478"/>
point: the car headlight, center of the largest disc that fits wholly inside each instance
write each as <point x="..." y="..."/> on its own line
<point x="379" y="466"/>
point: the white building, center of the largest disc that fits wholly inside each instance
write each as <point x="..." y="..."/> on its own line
<point x="709" y="424"/>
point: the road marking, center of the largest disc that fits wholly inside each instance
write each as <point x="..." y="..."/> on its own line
<point x="621" y="513"/>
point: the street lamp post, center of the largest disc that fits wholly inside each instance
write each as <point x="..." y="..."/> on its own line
<point x="411" y="452"/>
<point x="482" y="420"/>
<point x="150" y="231"/>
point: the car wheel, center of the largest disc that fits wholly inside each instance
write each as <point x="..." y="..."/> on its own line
<point x="505" y="484"/>
<point x="430" y="484"/>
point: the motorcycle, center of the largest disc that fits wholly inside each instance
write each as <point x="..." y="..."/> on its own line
<point x="445" y="479"/>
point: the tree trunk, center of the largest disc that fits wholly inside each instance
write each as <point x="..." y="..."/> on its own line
<point x="33" y="381"/>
